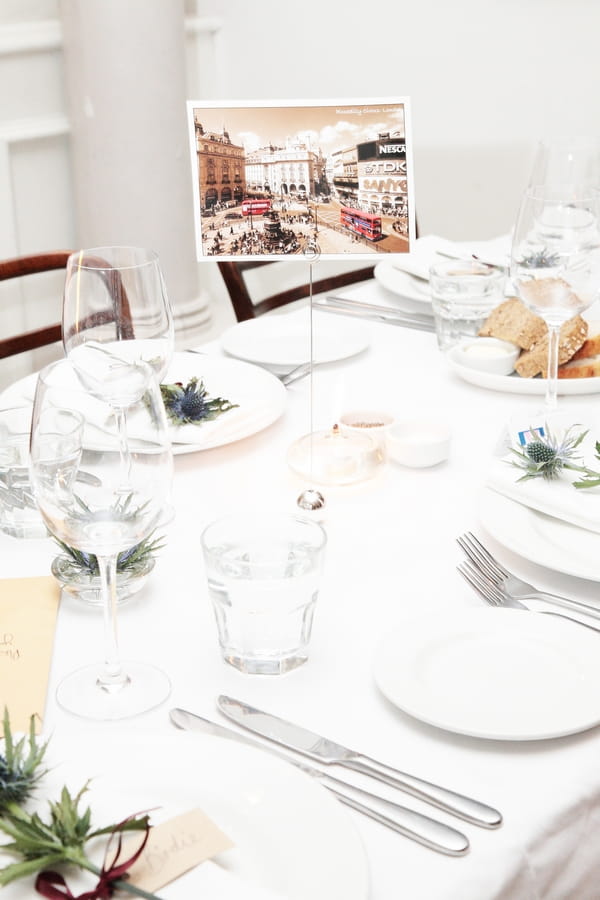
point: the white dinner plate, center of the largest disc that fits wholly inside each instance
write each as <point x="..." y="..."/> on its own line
<point x="402" y="283"/>
<point x="515" y="384"/>
<point x="283" y="341"/>
<point x="260" y="396"/>
<point x="540" y="538"/>
<point x="291" y="836"/>
<point x="501" y="674"/>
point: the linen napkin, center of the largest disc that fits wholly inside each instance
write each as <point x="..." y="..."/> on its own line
<point x="28" y="608"/>
<point x="557" y="498"/>
<point x="433" y="249"/>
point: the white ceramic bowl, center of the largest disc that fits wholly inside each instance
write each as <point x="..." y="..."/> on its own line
<point x="488" y="354"/>
<point x="418" y="443"/>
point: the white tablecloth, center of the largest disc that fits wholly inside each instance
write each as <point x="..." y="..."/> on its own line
<point x="392" y="554"/>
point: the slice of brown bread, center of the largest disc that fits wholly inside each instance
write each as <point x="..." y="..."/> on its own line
<point x="535" y="361"/>
<point x="591" y="345"/>
<point x="580" y="368"/>
<point x="512" y="321"/>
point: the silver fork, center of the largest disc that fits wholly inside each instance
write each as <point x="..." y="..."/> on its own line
<point x="493" y="595"/>
<point x="286" y="378"/>
<point x="510" y="584"/>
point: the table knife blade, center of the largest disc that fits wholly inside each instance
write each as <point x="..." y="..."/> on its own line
<point x="323" y="750"/>
<point x="414" y="825"/>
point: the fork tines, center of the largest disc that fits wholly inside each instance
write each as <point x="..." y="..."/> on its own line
<point x="481" y="583"/>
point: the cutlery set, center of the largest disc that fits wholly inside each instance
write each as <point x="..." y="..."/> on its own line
<point x="498" y="587"/>
<point x="410" y="823"/>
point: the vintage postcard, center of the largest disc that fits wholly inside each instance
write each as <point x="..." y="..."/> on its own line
<point x="290" y="178"/>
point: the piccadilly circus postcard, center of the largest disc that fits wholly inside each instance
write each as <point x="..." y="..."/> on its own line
<point x="300" y="178"/>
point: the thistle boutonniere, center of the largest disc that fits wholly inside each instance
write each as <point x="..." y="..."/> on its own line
<point x="546" y="457"/>
<point x="39" y="844"/>
<point x="190" y="404"/>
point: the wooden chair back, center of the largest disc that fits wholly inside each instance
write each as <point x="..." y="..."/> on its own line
<point x="57" y="259"/>
<point x="245" y="308"/>
<point x="31" y="265"/>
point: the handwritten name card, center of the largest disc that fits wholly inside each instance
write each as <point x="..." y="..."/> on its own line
<point x="176" y="846"/>
<point x="28" y="609"/>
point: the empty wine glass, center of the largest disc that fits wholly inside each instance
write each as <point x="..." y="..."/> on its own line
<point x="77" y="482"/>
<point x="567" y="161"/>
<point x="555" y="261"/>
<point x="115" y="300"/>
<point x="116" y="309"/>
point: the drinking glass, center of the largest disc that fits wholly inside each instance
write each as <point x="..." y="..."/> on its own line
<point x="115" y="300"/>
<point x="116" y="309"/>
<point x="555" y="260"/>
<point x="77" y="482"/>
<point x="567" y="160"/>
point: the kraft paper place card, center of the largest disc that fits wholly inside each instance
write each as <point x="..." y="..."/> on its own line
<point x="176" y="846"/>
<point x="28" y="609"/>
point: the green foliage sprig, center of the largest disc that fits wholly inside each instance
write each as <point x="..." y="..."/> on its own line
<point x="19" y="766"/>
<point x="62" y="838"/>
<point x="131" y="561"/>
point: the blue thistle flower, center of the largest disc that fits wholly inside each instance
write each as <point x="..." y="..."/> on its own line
<point x="191" y="404"/>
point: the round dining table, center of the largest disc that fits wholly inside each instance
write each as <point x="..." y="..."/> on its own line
<point x="391" y="562"/>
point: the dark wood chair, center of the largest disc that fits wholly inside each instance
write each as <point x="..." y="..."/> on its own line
<point x="244" y="307"/>
<point x="31" y="265"/>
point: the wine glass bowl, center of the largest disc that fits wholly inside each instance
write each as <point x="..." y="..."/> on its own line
<point x="573" y="160"/>
<point x="115" y="297"/>
<point x="77" y="479"/>
<point x="555" y="261"/>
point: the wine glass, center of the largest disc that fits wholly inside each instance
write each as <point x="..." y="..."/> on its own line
<point x="567" y="160"/>
<point x="115" y="300"/>
<point x="555" y="260"/>
<point x="115" y="309"/>
<point x="75" y="465"/>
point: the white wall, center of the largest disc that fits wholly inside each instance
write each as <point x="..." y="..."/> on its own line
<point x="487" y="79"/>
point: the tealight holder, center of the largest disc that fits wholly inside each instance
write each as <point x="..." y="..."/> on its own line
<point x="334" y="457"/>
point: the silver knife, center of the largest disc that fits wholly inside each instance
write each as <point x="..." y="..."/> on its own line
<point x="371" y="311"/>
<point x="325" y="751"/>
<point x="411" y="824"/>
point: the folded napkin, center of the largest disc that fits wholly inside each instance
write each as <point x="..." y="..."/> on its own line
<point x="557" y="498"/>
<point x="433" y="249"/>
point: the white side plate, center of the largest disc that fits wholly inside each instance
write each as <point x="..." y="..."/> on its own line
<point x="501" y="674"/>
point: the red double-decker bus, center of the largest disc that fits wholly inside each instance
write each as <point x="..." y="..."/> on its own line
<point x="255" y="207"/>
<point x="366" y="224"/>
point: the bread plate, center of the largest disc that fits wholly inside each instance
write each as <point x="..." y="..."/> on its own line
<point x="515" y="384"/>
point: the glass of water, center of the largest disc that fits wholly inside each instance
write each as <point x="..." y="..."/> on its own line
<point x="19" y="513"/>
<point x="463" y="294"/>
<point x="263" y="580"/>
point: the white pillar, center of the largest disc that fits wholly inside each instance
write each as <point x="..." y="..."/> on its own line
<point x="126" y="85"/>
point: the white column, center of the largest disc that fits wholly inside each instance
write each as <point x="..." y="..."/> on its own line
<point x="126" y="86"/>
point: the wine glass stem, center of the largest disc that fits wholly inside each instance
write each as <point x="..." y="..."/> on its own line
<point x="124" y="452"/>
<point x="552" y="374"/>
<point x="113" y="678"/>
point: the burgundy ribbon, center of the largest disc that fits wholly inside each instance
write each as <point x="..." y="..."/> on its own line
<point x="54" y="887"/>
